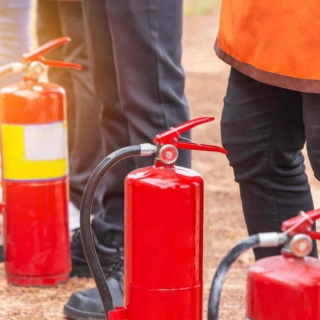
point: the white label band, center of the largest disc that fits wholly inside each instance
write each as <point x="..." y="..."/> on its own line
<point x="45" y="142"/>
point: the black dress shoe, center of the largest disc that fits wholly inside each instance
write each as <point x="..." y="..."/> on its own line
<point x="85" y="305"/>
<point x="79" y="263"/>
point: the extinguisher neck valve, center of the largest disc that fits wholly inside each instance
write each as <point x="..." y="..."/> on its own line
<point x="299" y="246"/>
<point x="159" y="164"/>
<point x="34" y="70"/>
<point x="168" y="155"/>
<point x="272" y="239"/>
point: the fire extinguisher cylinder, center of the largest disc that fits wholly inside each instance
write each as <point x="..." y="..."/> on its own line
<point x="35" y="173"/>
<point x="163" y="232"/>
<point x="275" y="282"/>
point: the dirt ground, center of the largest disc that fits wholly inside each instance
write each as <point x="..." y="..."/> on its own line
<point x="224" y="224"/>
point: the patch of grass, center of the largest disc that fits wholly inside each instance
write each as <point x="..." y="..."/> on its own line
<point x="200" y="6"/>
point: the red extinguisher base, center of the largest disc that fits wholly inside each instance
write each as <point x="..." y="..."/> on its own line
<point x="163" y="304"/>
<point x="36" y="235"/>
<point x="48" y="281"/>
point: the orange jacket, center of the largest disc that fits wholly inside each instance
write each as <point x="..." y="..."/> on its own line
<point x="273" y="41"/>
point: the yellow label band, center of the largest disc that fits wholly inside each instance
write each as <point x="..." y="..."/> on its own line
<point x="34" y="152"/>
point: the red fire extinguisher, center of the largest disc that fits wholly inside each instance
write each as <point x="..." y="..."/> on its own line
<point x="284" y="287"/>
<point x="163" y="232"/>
<point x="35" y="173"/>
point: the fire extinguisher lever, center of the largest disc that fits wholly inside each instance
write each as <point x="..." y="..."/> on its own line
<point x="200" y="147"/>
<point x="172" y="137"/>
<point x="37" y="55"/>
<point x="302" y="224"/>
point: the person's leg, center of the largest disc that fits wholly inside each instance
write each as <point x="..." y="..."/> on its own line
<point x="114" y="125"/>
<point x="147" y="57"/>
<point x="263" y="132"/>
<point x="86" y="152"/>
<point x="146" y="37"/>
<point x="14" y="35"/>
<point x="87" y="304"/>
<point x="311" y="118"/>
<point x="64" y="18"/>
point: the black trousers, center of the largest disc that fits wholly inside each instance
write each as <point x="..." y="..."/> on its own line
<point x="64" y="18"/>
<point x="264" y="128"/>
<point x="134" y="49"/>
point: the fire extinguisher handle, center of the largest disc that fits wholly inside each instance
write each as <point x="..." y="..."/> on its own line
<point x="302" y="224"/>
<point x="200" y="147"/>
<point x="61" y="64"/>
<point x="37" y="54"/>
<point x="172" y="136"/>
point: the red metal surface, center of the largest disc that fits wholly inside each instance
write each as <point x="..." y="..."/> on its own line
<point x="36" y="236"/>
<point x="163" y="243"/>
<point x="119" y="314"/>
<point x="31" y="102"/>
<point x="283" y="288"/>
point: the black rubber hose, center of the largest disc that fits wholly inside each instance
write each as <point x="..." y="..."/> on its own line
<point x="85" y="223"/>
<point x="6" y="69"/>
<point x="226" y="263"/>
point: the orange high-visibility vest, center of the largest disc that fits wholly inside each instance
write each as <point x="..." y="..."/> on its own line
<point x="273" y="41"/>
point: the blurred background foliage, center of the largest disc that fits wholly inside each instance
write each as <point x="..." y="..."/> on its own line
<point x="201" y="6"/>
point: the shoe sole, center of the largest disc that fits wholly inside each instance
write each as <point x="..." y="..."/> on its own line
<point x="80" y="315"/>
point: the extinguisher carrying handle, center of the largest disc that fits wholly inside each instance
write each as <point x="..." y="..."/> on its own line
<point x="173" y="137"/>
<point x="37" y="55"/>
<point x="302" y="224"/>
<point x="85" y="213"/>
